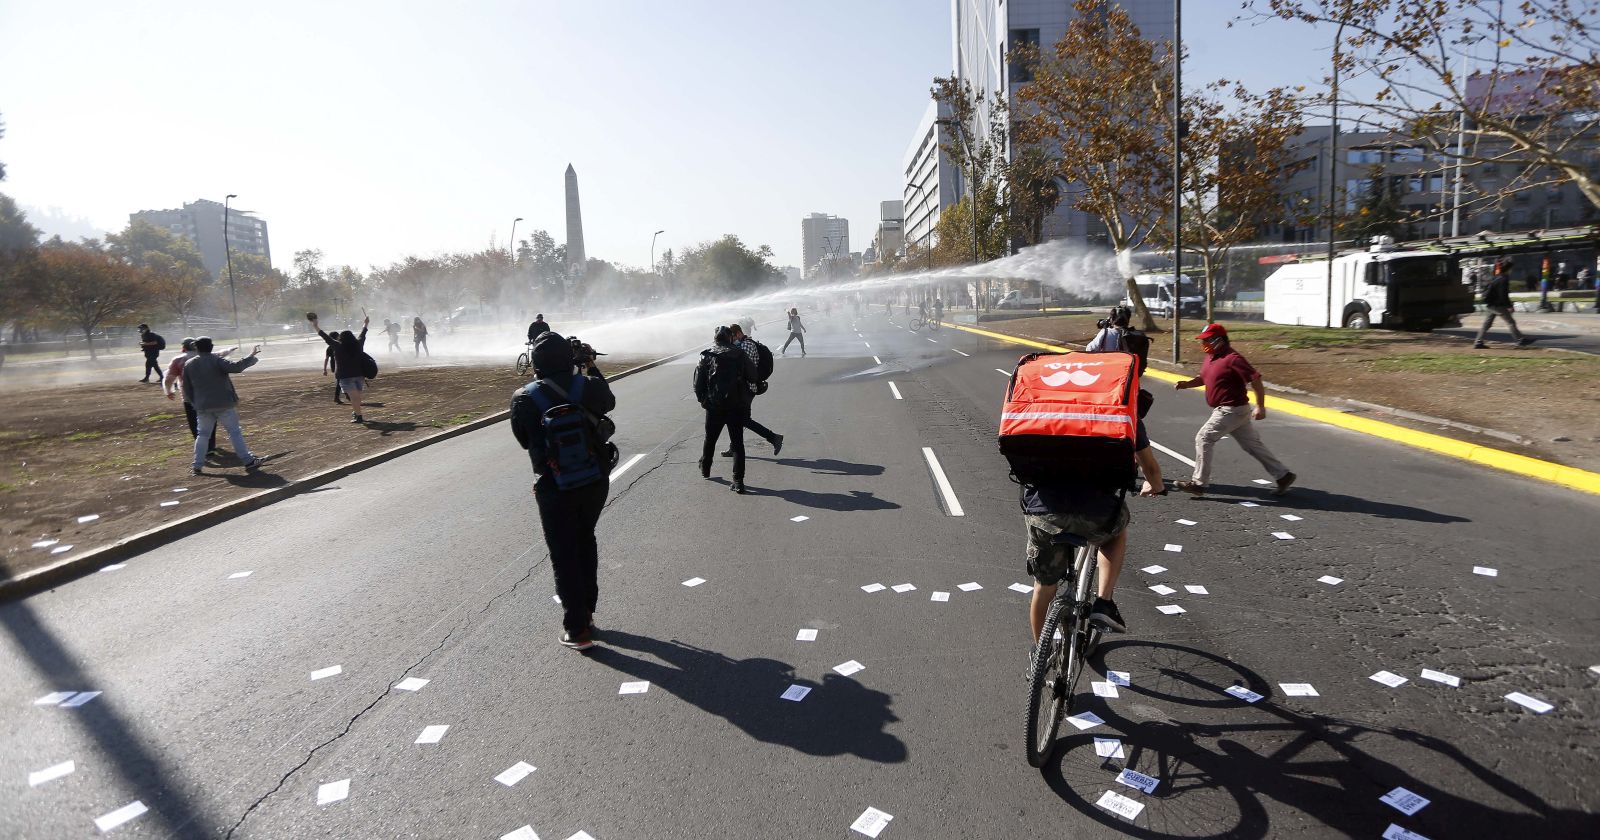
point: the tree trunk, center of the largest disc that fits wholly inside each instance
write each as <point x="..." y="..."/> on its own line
<point x="88" y="339"/>
<point x="1140" y="311"/>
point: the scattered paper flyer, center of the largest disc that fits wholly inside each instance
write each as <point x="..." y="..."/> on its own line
<point x="940" y="596"/>
<point x="1330" y="580"/>
<point x="1120" y="805"/>
<point x="432" y="734"/>
<point x="1395" y="832"/>
<point x="1186" y="522"/>
<point x="61" y="549"/>
<point x="968" y="587"/>
<point x="120" y="816"/>
<point x="582" y="835"/>
<point x="113" y="567"/>
<point x="1290" y="517"/>
<point x="1162" y="589"/>
<point x="903" y="587"/>
<point x="411" y="684"/>
<point x="871" y="822"/>
<point x="1538" y="706"/>
<point x="807" y="634"/>
<point x="180" y="489"/>
<point x="45" y="543"/>
<point x="639" y="687"/>
<point x="524" y="833"/>
<point x="323" y="673"/>
<point x="1135" y="779"/>
<point x="1196" y="590"/>
<point x="874" y="587"/>
<point x="1153" y="570"/>
<point x="333" y="791"/>
<point x="1085" y="720"/>
<point x="1485" y="571"/>
<point x="1174" y="548"/>
<point x="169" y="504"/>
<point x="1171" y="609"/>
<point x="237" y="575"/>
<point x="796" y="692"/>
<point x="1108" y="748"/>
<point x="1118" y="678"/>
<point x="556" y="598"/>
<point x="53" y="698"/>
<point x="1248" y="504"/>
<point x="847" y="668"/>
<point x="1404" y="801"/>
<point x="1104" y="689"/>
<point x="694" y="581"/>
<point x="90" y="518"/>
<point x="51" y="773"/>
<point x="1261" y="481"/>
<point x="515" y="773"/>
<point x="1298" y="690"/>
<point x="1242" y="693"/>
<point x="798" y="518"/>
<point x="1439" y="676"/>
<point x="1283" y="535"/>
<point x="1388" y="679"/>
<point x="83" y="697"/>
<point x="1021" y="587"/>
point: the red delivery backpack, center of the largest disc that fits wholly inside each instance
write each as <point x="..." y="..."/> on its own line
<point x="1072" y="417"/>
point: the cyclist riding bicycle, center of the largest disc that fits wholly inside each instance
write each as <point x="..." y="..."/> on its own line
<point x="922" y="309"/>
<point x="938" y="309"/>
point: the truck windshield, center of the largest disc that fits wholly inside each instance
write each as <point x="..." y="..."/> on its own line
<point x="1419" y="271"/>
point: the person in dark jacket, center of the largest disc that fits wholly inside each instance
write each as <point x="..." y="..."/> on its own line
<point x="173" y="385"/>
<point x="537" y="328"/>
<point x="327" y="365"/>
<point x="568" y="516"/>
<point x="1497" y="303"/>
<point x="151" y="343"/>
<point x="722" y="385"/>
<point x="207" y="387"/>
<point x="419" y="337"/>
<point x="348" y="358"/>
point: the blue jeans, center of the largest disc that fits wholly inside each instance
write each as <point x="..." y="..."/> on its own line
<point x="207" y="422"/>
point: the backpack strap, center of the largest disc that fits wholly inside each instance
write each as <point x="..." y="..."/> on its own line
<point x="575" y="399"/>
<point x="543" y="402"/>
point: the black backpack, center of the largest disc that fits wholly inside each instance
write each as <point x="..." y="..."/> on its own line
<point x="1137" y="343"/>
<point x="369" y="367"/>
<point x="161" y="343"/>
<point x="718" y="379"/>
<point x="559" y="434"/>
<point x="763" y="366"/>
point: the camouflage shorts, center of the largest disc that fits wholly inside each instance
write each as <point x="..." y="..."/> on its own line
<point x="1049" y="562"/>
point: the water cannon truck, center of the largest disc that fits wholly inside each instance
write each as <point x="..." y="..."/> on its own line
<point x="1384" y="286"/>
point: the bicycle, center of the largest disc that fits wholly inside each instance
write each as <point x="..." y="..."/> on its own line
<point x="918" y="323"/>
<point x="525" y="361"/>
<point x="1059" y="659"/>
<point x="934" y="324"/>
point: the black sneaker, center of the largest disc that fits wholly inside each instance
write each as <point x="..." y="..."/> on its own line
<point x="357" y="419"/>
<point x="1106" y="615"/>
<point x="727" y="453"/>
<point x="582" y="640"/>
<point x="253" y="465"/>
<point x="705" y="469"/>
<point x="737" y="486"/>
<point x="1478" y="345"/>
<point x="777" y="444"/>
<point x="1285" y="483"/>
<point x="1525" y="341"/>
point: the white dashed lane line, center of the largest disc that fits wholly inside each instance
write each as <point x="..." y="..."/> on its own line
<point x="929" y="339"/>
<point x="617" y="473"/>
<point x="868" y="343"/>
<point x="896" y="389"/>
<point x="968" y="355"/>
<point x="951" y="503"/>
<point x="1184" y="458"/>
<point x="1002" y="372"/>
<point x="877" y="360"/>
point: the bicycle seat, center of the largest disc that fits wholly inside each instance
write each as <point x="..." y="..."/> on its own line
<point x="1073" y="540"/>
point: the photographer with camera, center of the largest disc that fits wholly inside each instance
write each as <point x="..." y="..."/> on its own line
<point x="559" y="418"/>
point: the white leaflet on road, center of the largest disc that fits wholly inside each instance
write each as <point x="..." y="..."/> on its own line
<point x="556" y="598"/>
<point x="411" y="684"/>
<point x="1104" y="689"/>
<point x="61" y="549"/>
<point x="90" y="518"/>
<point x="515" y="773"/>
<point x="523" y="833"/>
<point x="237" y="575"/>
<point x="1021" y="587"/>
<point x="1283" y="535"/>
<point x="1120" y="805"/>
<point x="870" y="823"/>
<point x="1439" y="676"/>
<point x="874" y="587"/>
<point x="1395" y="832"/>
<point x="1298" y="690"/>
<point x="432" y="734"/>
<point x="114" y="567"/>
<point x="940" y="596"/>
<point x="845" y="669"/>
<point x="1290" y="517"/>
<point x="694" y="581"/>
<point x="51" y="773"/>
<point x="798" y="518"/>
<point x="1404" y="801"/>
<point x="1261" y="481"/>
<point x="903" y="587"/>
<point x="1534" y="703"/>
<point x="1153" y="570"/>
<point x="1186" y="522"/>
<point x="180" y="489"/>
<point x="1330" y="580"/>
<point x="1118" y="678"/>
<point x="169" y="504"/>
<point x="53" y="698"/>
<point x="1196" y="590"/>
<point x="79" y="699"/>
<point x="1594" y="669"/>
<point x="1135" y="779"/>
<point x="1174" y="547"/>
<point x="796" y="692"/>
<point x="333" y="791"/>
<point x="1485" y="571"/>
<point x="968" y="587"/>
<point x="45" y="543"/>
<point x="1085" y="720"/>
<point x="121" y="815"/>
<point x="806" y="635"/>
<point x="324" y="673"/>
<point x="1171" y="609"/>
<point x="1242" y="693"/>
<point x="1248" y="504"/>
<point x="1108" y="748"/>
<point x="582" y="835"/>
<point x="1388" y="679"/>
<point x="639" y="687"/>
<point x="1162" y="589"/>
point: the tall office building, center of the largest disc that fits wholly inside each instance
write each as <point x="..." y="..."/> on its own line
<point x="890" y="237"/>
<point x="576" y="259"/>
<point x="824" y="242"/>
<point x="987" y="34"/>
<point x="201" y="223"/>
<point x="931" y="180"/>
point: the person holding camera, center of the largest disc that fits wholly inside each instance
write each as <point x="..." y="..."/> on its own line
<point x="558" y="418"/>
<point x="207" y="387"/>
<point x="722" y="384"/>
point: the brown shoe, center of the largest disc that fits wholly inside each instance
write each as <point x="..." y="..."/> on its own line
<point x="1285" y="483"/>
<point x="1188" y="486"/>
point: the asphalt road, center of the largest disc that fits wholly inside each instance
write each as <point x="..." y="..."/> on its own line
<point x="431" y="567"/>
<point x="1579" y="331"/>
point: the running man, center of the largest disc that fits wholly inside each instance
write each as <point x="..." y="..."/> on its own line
<point x="392" y="330"/>
<point x="1224" y="375"/>
<point x="152" y="344"/>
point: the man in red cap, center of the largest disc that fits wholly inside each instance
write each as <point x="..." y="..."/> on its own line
<point x="1224" y="375"/>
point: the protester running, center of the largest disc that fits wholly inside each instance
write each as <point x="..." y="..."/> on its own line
<point x="797" y="330"/>
<point x="721" y="384"/>
<point x="419" y="338"/>
<point x="1224" y="375"/>
<point x="173" y="385"/>
<point x="752" y="348"/>
<point x="152" y="344"/>
<point x="349" y="357"/>
<point x="392" y="330"/>
<point x="1497" y="303"/>
<point x="207" y="387"/>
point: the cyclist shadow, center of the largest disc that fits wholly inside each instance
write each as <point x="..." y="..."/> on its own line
<point x="1316" y="767"/>
<point x="839" y="717"/>
<point x="1310" y="498"/>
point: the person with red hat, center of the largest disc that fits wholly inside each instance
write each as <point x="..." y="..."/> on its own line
<point x="1225" y="375"/>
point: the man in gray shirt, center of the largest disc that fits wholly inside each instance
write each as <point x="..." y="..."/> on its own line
<point x="207" y="387"/>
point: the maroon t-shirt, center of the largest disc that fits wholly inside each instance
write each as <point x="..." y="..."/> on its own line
<point x="1227" y="376"/>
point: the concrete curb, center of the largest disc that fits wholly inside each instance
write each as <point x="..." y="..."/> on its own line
<point x="1565" y="476"/>
<point x="78" y="565"/>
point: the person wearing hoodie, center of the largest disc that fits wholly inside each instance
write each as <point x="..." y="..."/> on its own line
<point x="207" y="387"/>
<point x="722" y="384"/>
<point x="349" y="351"/>
<point x="173" y="385"/>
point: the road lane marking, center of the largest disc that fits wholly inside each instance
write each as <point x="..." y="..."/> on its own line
<point x="1002" y="372"/>
<point x="1184" y="458"/>
<point x="868" y="343"/>
<point x="896" y="391"/>
<point x="624" y="468"/>
<point x="939" y="478"/>
<point x="968" y="355"/>
<point x="877" y="360"/>
<point x="929" y="339"/>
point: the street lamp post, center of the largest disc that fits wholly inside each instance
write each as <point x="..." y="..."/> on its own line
<point x="512" y="245"/>
<point x="1177" y="180"/>
<point x="227" y="250"/>
<point x="1333" y="163"/>
<point x="653" y="248"/>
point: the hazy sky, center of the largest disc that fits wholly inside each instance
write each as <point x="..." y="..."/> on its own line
<point x="376" y="130"/>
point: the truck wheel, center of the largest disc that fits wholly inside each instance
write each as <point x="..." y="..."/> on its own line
<point x="1357" y="321"/>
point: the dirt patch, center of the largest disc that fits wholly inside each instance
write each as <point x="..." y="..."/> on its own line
<point x="1434" y="375"/>
<point x="119" y="450"/>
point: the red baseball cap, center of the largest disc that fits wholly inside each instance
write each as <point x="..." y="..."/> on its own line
<point x="1212" y="331"/>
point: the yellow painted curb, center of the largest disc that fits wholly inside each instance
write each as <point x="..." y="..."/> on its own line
<point x="1488" y="456"/>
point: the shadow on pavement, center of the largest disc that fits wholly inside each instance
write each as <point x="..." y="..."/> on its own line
<point x="839" y="717"/>
<point x="1310" y="498"/>
<point x="143" y="772"/>
<point x="385" y="429"/>
<point x="855" y="500"/>
<point x="827" y="466"/>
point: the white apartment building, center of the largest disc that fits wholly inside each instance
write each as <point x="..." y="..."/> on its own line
<point x="931" y="180"/>
<point x="890" y="237"/>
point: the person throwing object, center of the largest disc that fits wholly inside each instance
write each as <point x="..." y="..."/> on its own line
<point x="207" y="387"/>
<point x="797" y="331"/>
<point x="1225" y="375"/>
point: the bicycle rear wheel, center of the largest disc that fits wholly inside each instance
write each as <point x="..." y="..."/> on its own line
<point x="1047" y="699"/>
<point x="524" y="363"/>
<point x="916" y="324"/>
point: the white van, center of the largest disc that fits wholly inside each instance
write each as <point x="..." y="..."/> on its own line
<point x="1156" y="290"/>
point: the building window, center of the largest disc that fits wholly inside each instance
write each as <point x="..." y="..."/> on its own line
<point x="1365" y="156"/>
<point x="1406" y="154"/>
<point x="1019" y="71"/>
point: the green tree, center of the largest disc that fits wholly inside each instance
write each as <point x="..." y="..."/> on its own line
<point x="19" y="241"/>
<point x="260" y="288"/>
<point x="171" y="265"/>
<point x="83" y="287"/>
<point x="726" y="268"/>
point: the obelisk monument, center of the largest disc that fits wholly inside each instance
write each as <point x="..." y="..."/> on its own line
<point x="576" y="260"/>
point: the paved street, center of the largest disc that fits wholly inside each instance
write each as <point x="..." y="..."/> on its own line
<point x="431" y="567"/>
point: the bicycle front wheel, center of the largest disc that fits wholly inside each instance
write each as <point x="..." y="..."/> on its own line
<point x="916" y="325"/>
<point x="524" y="364"/>
<point x="1047" y="692"/>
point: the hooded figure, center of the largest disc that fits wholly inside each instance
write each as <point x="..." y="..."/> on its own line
<point x="722" y="383"/>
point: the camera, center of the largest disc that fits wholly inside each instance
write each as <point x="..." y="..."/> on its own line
<point x="1120" y="316"/>
<point x="582" y="353"/>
